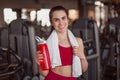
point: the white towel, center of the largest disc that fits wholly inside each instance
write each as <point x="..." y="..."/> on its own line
<point x="52" y="43"/>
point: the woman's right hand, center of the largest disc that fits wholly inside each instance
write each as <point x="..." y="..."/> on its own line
<point x="39" y="57"/>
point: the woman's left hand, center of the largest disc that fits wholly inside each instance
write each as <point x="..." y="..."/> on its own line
<point x="78" y="51"/>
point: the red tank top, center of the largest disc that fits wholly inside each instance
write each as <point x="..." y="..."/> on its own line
<point x="66" y="55"/>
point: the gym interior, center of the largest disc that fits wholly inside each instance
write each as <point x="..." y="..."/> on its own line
<point x="97" y="22"/>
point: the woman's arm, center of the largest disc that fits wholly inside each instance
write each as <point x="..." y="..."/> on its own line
<point x="39" y="57"/>
<point x="79" y="51"/>
<point x="44" y="73"/>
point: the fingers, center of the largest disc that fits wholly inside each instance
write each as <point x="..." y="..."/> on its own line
<point x="78" y="52"/>
<point x="75" y="46"/>
<point x="75" y="49"/>
<point x="39" y="57"/>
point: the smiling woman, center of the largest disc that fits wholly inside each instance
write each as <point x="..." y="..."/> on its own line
<point x="66" y="51"/>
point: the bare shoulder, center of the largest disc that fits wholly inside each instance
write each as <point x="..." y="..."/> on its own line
<point x="80" y="41"/>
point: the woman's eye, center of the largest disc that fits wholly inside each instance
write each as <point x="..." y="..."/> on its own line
<point x="56" y="20"/>
<point x="63" y="18"/>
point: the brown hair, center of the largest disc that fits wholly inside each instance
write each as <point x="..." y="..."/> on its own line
<point x="57" y="8"/>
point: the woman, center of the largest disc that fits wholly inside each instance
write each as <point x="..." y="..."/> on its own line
<point x="59" y="21"/>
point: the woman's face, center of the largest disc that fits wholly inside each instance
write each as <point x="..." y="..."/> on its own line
<point x="59" y="20"/>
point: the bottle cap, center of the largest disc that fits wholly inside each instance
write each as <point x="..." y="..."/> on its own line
<point x="39" y="40"/>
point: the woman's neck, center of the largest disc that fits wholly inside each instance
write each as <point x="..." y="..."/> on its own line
<point x="63" y="39"/>
<point x="62" y="36"/>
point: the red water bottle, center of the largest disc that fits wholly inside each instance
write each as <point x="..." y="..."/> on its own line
<point x="42" y="47"/>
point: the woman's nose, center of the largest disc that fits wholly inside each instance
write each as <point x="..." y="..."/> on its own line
<point x="60" y="22"/>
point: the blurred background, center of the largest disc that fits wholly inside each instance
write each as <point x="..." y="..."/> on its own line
<point x="97" y="22"/>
